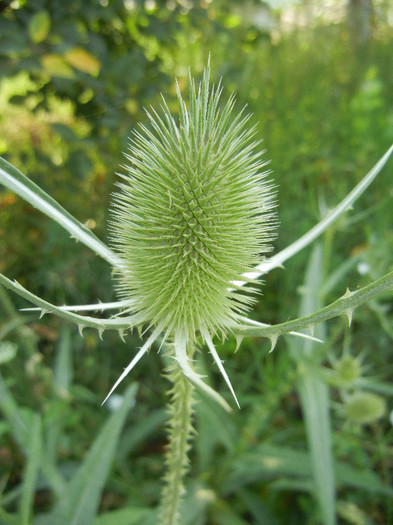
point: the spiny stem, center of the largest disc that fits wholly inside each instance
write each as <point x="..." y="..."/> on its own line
<point x="180" y="433"/>
<point x="342" y="306"/>
<point x="120" y="323"/>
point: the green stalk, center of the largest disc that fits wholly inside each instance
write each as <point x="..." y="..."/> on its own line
<point x="180" y="433"/>
<point x="342" y="306"/>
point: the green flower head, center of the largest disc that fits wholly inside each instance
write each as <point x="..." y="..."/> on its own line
<point x="195" y="212"/>
<point x="364" y="407"/>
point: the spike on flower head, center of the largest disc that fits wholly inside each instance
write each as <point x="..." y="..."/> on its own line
<point x="194" y="212"/>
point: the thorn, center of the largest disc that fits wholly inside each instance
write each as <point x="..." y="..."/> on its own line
<point x="121" y="335"/>
<point x="219" y="363"/>
<point x="184" y="365"/>
<point x="81" y="327"/>
<point x="273" y="341"/>
<point x="239" y="339"/>
<point x="349" y="313"/>
<point x="348" y="293"/>
<point x="135" y="360"/>
<point x="100" y="332"/>
<point x="42" y="313"/>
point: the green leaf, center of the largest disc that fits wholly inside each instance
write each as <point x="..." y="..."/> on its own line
<point x="7" y="519"/>
<point x="269" y="462"/>
<point x="127" y="516"/>
<point x="214" y="427"/>
<point x="266" y="462"/>
<point x="79" y="503"/>
<point x="39" y="26"/>
<point x="362" y="479"/>
<point x="82" y="60"/>
<point x="258" y="507"/>
<point x="375" y="386"/>
<point x="314" y="396"/>
<point x="56" y="66"/>
<point x="193" y="508"/>
<point x="140" y="431"/>
<point x="63" y="363"/>
<point x="21" y="420"/>
<point x="15" y="181"/>
<point x="8" y="351"/>
<point x="16" y="417"/>
<point x="31" y="473"/>
<point x="222" y="514"/>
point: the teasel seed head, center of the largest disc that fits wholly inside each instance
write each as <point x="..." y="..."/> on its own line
<point x="194" y="212"/>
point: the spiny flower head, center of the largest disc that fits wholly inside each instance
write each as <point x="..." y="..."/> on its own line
<point x="194" y="213"/>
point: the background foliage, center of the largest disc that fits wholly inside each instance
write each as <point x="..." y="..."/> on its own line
<point x="74" y="80"/>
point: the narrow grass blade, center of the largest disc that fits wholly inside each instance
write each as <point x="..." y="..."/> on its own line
<point x="15" y="181"/>
<point x="63" y="371"/>
<point x="12" y="413"/>
<point x="127" y="516"/>
<point x="31" y="473"/>
<point x="223" y="513"/>
<point x="215" y="430"/>
<point x="374" y="385"/>
<point x="140" y="431"/>
<point x="79" y="503"/>
<point x="291" y="465"/>
<point x="314" y="397"/>
<point x="7" y="519"/>
<point x="21" y="421"/>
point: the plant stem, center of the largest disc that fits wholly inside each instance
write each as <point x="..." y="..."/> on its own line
<point x="342" y="306"/>
<point x="180" y="432"/>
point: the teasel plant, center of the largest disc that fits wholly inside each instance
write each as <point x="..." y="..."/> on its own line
<point x="191" y="228"/>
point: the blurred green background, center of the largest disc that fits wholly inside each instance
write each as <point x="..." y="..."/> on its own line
<point x="75" y="77"/>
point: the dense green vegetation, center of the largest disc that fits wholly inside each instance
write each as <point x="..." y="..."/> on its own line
<point x="74" y="80"/>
